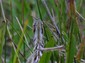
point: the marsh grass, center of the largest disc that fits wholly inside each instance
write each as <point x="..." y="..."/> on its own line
<point x="60" y="38"/>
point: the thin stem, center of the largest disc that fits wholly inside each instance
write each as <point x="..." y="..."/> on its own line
<point x="52" y="48"/>
<point x="52" y="19"/>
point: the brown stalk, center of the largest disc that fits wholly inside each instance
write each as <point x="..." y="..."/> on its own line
<point x="70" y="13"/>
<point x="81" y="50"/>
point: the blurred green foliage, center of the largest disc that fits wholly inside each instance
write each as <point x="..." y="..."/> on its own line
<point x="25" y="11"/>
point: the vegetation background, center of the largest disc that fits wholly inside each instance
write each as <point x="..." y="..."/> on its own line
<point x="62" y="36"/>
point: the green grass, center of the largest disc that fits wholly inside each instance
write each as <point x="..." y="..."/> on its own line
<point x="63" y="24"/>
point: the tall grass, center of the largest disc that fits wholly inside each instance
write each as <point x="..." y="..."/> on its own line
<point x="42" y="31"/>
